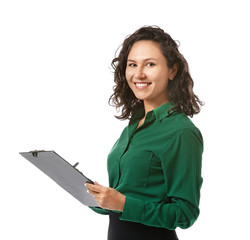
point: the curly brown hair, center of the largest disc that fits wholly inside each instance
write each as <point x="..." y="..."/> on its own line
<point x="180" y="89"/>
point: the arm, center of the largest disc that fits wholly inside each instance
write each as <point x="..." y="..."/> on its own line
<point x="181" y="164"/>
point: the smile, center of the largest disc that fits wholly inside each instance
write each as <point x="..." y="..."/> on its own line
<point x="140" y="85"/>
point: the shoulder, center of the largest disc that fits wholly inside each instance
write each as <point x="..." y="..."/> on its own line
<point x="177" y="122"/>
<point x="180" y="137"/>
<point x="179" y="125"/>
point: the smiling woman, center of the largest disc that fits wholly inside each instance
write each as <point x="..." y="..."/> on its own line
<point x="180" y="90"/>
<point x="147" y="73"/>
<point x="155" y="166"/>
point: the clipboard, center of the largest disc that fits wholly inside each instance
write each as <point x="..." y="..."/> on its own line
<point x="63" y="173"/>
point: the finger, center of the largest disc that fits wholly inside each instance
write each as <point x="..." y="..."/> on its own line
<point x="92" y="192"/>
<point x="95" y="188"/>
<point x="96" y="183"/>
<point x="89" y="185"/>
<point x="95" y="194"/>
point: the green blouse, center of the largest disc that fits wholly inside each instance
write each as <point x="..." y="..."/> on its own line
<point x="158" y="168"/>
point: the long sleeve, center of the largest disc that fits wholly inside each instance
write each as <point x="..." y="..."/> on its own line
<point x="100" y="210"/>
<point x="181" y="165"/>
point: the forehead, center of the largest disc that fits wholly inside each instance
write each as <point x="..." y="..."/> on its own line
<point x="145" y="49"/>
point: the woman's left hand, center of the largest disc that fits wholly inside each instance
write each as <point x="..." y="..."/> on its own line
<point x="107" y="198"/>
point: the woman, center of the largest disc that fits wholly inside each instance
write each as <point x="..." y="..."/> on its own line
<point x="155" y="166"/>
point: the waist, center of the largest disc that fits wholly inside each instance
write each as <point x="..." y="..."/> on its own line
<point x="126" y="230"/>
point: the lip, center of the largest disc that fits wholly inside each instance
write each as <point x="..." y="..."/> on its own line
<point x="142" y="85"/>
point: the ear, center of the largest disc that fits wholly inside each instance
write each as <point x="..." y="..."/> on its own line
<point x="173" y="71"/>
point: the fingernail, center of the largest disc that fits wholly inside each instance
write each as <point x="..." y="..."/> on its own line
<point x="87" y="191"/>
<point x="85" y="184"/>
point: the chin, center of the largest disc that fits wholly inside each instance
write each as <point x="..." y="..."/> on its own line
<point x="140" y="98"/>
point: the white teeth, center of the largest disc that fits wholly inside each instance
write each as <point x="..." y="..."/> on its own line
<point x="141" y="84"/>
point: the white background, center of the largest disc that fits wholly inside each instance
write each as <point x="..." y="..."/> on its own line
<point x="55" y="84"/>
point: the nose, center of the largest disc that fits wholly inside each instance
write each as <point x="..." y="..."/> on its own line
<point x="140" y="73"/>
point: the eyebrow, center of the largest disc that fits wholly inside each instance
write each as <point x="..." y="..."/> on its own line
<point x="147" y="59"/>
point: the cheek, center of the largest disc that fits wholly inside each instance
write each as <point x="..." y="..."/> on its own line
<point x="163" y="83"/>
<point x="163" y="78"/>
<point x="128" y="75"/>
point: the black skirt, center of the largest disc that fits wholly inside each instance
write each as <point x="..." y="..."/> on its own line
<point x="125" y="230"/>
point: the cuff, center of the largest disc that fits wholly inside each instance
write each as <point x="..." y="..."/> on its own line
<point x="100" y="210"/>
<point x="132" y="209"/>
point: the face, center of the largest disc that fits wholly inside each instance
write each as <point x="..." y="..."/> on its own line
<point x="147" y="73"/>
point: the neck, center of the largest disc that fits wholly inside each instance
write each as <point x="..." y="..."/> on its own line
<point x="151" y="106"/>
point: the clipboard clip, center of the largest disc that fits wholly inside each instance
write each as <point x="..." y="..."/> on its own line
<point x="75" y="165"/>
<point x="35" y="152"/>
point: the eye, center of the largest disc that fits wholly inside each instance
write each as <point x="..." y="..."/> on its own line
<point x="131" y="64"/>
<point x="150" y="64"/>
